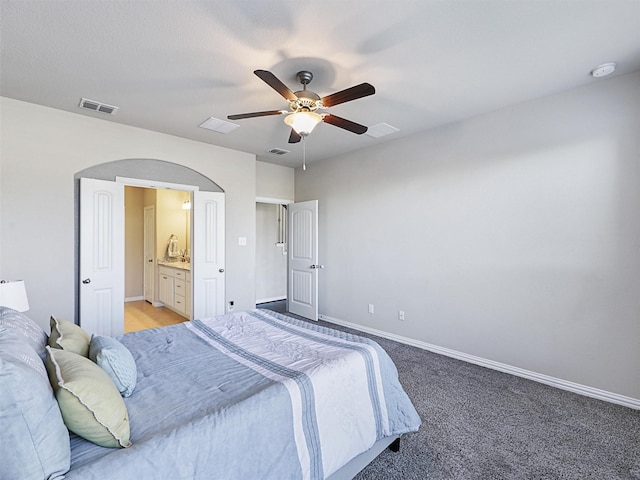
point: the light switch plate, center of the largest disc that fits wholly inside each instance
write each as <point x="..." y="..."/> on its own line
<point x="242" y="241"/>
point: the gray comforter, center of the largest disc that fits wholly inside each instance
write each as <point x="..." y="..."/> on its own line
<point x="249" y="396"/>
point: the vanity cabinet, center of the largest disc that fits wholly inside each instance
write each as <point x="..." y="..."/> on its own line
<point x="180" y="289"/>
<point x="166" y="283"/>
<point x="175" y="289"/>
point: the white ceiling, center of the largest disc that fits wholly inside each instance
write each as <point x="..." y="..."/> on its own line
<point x="169" y="65"/>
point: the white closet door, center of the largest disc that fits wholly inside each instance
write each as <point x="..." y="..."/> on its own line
<point x="101" y="257"/>
<point x="302" y="298"/>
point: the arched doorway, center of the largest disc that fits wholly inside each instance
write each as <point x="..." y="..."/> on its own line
<point x="99" y="251"/>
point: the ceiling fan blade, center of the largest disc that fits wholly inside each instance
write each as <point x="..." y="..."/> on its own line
<point x="353" y="93"/>
<point x="294" y="137"/>
<point x="344" y="123"/>
<point x="271" y="80"/>
<point x="240" y="116"/>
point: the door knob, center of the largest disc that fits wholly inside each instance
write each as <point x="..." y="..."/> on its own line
<point x="86" y="281"/>
<point x="316" y="266"/>
<point x="150" y="260"/>
<point x="221" y="270"/>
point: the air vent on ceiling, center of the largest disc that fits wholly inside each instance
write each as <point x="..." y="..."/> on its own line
<point x="217" y="125"/>
<point x="278" y="151"/>
<point x="381" y="129"/>
<point x="97" y="106"/>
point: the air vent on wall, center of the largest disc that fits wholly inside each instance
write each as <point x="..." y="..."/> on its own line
<point x="278" y="151"/>
<point x="97" y="106"/>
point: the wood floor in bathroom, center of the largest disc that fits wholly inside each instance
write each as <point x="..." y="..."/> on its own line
<point x="141" y="315"/>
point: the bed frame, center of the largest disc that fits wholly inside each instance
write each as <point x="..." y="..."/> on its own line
<point x="357" y="464"/>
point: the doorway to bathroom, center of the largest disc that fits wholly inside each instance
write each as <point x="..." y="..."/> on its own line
<point x="100" y="249"/>
<point x="155" y="220"/>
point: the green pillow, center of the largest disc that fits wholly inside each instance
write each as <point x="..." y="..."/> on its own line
<point x="90" y="403"/>
<point x="69" y="336"/>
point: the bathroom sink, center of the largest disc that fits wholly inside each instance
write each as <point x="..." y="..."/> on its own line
<point x="176" y="264"/>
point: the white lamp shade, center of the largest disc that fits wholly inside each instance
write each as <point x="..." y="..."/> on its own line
<point x="303" y="122"/>
<point x="13" y="294"/>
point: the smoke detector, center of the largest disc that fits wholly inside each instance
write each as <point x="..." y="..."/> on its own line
<point x="603" y="70"/>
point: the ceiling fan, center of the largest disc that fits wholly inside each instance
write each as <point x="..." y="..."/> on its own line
<point x="303" y="115"/>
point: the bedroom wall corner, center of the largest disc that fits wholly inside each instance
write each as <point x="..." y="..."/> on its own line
<point x="275" y="184"/>
<point x="275" y="181"/>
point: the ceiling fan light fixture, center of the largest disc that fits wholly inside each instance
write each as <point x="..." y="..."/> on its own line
<point x="302" y="116"/>
<point x="303" y="122"/>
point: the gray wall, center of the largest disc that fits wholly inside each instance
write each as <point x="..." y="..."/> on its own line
<point x="134" y="242"/>
<point x="41" y="149"/>
<point x="274" y="182"/>
<point x="513" y="236"/>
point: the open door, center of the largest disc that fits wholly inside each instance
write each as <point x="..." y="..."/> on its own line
<point x="302" y="298"/>
<point x="149" y="253"/>
<point x="207" y="267"/>
<point x="101" y="257"/>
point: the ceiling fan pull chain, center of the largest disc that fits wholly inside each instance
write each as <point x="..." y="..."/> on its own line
<point x="304" y="153"/>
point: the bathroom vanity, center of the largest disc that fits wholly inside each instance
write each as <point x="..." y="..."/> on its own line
<point x="174" y="281"/>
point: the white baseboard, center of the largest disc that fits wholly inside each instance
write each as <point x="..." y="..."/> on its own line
<point x="272" y="299"/>
<point x="502" y="367"/>
<point x="133" y="299"/>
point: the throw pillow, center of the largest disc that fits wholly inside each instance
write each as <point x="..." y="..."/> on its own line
<point x="14" y="323"/>
<point x="33" y="437"/>
<point x="90" y="403"/>
<point x="69" y="336"/>
<point x="115" y="359"/>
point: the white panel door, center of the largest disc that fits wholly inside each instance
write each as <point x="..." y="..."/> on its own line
<point x="302" y="298"/>
<point x="101" y="257"/>
<point x="149" y="253"/>
<point x="207" y="259"/>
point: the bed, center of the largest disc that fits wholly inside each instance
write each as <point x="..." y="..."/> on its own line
<point x="248" y="395"/>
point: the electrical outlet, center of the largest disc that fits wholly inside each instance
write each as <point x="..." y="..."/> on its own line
<point x="230" y="307"/>
<point x="401" y="315"/>
<point x="371" y="308"/>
